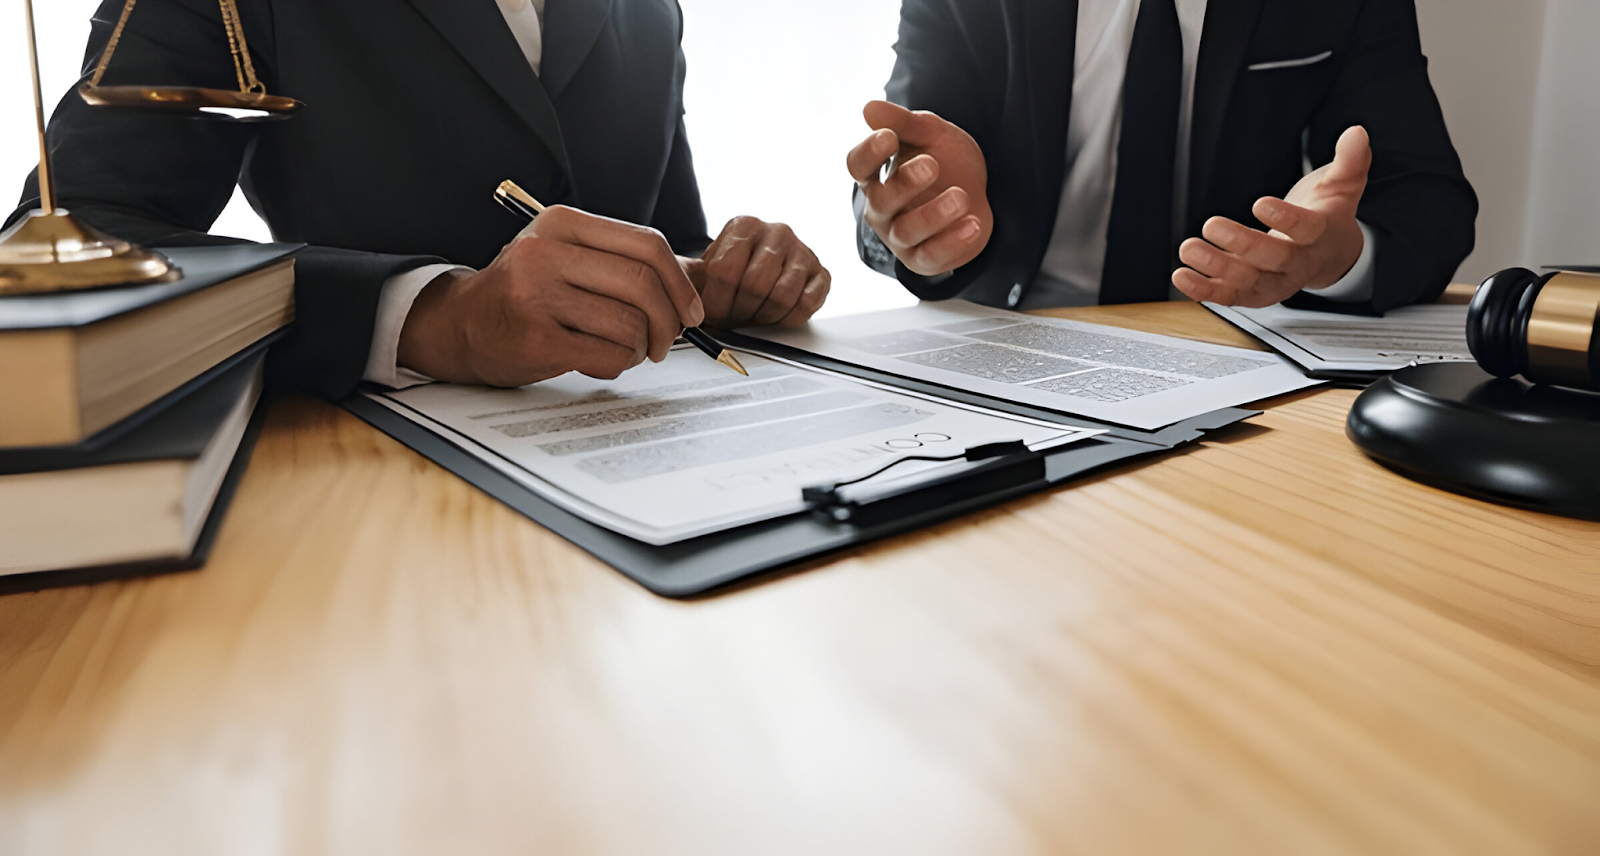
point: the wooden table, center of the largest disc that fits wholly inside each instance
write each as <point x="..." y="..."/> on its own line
<point x="1266" y="644"/>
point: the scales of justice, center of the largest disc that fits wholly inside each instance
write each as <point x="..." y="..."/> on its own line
<point x="49" y="250"/>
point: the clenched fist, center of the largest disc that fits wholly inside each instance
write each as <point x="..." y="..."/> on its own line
<point x="758" y="273"/>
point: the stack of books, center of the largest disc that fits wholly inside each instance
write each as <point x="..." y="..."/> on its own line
<point x="126" y="414"/>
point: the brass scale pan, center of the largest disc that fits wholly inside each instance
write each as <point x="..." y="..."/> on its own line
<point x="193" y="100"/>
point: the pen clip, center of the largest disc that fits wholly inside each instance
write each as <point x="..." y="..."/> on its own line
<point x="517" y="201"/>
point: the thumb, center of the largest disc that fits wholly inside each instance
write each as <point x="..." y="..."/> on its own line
<point x="913" y="127"/>
<point x="886" y="114"/>
<point x="1352" y="158"/>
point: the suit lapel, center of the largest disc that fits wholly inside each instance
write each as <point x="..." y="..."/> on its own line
<point x="1051" y="28"/>
<point x="478" y="32"/>
<point x="570" y="30"/>
<point x="1226" y="36"/>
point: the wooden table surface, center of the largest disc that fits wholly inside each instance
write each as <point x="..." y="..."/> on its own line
<point x="1264" y="644"/>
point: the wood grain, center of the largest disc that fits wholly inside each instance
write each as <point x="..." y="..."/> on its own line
<point x="1266" y="644"/>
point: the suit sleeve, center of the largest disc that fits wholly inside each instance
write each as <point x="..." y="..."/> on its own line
<point x="679" y="214"/>
<point x="163" y="180"/>
<point x="933" y="71"/>
<point x="1418" y="201"/>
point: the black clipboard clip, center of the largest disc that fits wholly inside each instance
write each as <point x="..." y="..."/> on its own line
<point x="1010" y="464"/>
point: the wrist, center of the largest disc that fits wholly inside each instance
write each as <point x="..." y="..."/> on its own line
<point x="432" y="341"/>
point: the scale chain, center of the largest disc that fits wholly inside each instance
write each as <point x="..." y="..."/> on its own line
<point x="243" y="69"/>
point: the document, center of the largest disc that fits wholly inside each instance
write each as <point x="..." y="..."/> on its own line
<point x="1333" y="342"/>
<point x="1140" y="380"/>
<point x="684" y="447"/>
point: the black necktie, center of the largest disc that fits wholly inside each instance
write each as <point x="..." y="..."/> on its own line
<point x="1139" y="244"/>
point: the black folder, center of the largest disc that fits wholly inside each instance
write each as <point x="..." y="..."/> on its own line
<point x="698" y="565"/>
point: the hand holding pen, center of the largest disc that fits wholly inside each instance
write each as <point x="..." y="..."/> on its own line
<point x="573" y="292"/>
<point x="521" y="203"/>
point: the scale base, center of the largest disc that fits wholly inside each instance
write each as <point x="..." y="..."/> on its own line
<point x="1455" y="426"/>
<point x="50" y="252"/>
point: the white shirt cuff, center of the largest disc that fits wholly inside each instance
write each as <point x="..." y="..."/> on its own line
<point x="394" y="304"/>
<point x="1356" y="286"/>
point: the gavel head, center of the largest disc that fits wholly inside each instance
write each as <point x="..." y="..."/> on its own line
<point x="1541" y="327"/>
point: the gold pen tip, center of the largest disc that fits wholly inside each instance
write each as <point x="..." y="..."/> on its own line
<point x="732" y="362"/>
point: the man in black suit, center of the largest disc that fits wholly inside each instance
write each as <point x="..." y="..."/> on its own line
<point x="415" y="111"/>
<point x="1061" y="150"/>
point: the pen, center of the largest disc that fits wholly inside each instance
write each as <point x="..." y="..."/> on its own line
<point x="520" y="202"/>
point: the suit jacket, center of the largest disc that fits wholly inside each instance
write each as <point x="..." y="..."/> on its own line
<point x="1003" y="69"/>
<point x="415" y="110"/>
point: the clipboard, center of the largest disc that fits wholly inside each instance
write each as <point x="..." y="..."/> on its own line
<point x="699" y="565"/>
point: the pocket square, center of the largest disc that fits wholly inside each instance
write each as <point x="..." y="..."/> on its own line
<point x="1291" y="63"/>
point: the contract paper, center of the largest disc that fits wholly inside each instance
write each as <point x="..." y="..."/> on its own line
<point x="1333" y="342"/>
<point x="683" y="448"/>
<point x="1140" y="380"/>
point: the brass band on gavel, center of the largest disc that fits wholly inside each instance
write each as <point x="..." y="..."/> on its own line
<point x="1540" y="327"/>
<point x="1562" y="346"/>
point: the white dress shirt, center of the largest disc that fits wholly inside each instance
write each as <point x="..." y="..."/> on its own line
<point x="525" y="18"/>
<point x="1077" y="248"/>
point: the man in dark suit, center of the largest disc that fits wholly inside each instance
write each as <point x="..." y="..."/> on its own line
<point x="415" y="111"/>
<point x="1060" y="151"/>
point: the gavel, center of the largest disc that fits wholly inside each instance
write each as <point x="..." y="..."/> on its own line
<point x="1543" y="327"/>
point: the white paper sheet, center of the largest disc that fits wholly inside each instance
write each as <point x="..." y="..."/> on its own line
<point x="685" y="447"/>
<point x="1329" y="341"/>
<point x="1111" y="375"/>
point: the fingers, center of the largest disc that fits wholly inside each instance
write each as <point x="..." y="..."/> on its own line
<point x="1303" y="226"/>
<point x="605" y="318"/>
<point x="761" y="273"/>
<point x="640" y="243"/>
<point x="811" y="299"/>
<point x="866" y="160"/>
<point x="947" y="250"/>
<point x="1264" y="251"/>
<point x="597" y="357"/>
<point x="784" y="294"/>
<point x="1212" y="262"/>
<point x="1264" y="291"/>
<point x="620" y="279"/>
<point x="801" y="268"/>
<point x="726" y="261"/>
<point x="929" y="219"/>
<point x="886" y="200"/>
<point x="767" y="262"/>
<point x="1226" y="277"/>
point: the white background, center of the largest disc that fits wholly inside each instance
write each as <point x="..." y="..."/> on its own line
<point x="774" y="100"/>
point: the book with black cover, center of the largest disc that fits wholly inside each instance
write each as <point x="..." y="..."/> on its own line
<point x="203" y="267"/>
<point x="176" y="468"/>
<point x="73" y="364"/>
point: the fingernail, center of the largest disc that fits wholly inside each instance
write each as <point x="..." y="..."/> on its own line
<point x="949" y="205"/>
<point x="968" y="229"/>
